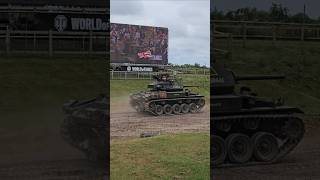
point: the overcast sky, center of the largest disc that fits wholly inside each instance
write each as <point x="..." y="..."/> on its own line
<point x="295" y="6"/>
<point x="188" y="22"/>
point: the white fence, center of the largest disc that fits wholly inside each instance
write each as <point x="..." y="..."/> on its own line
<point x="54" y="43"/>
<point x="124" y="75"/>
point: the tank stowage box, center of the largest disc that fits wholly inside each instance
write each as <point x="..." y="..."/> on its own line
<point x="165" y="97"/>
<point x="248" y="129"/>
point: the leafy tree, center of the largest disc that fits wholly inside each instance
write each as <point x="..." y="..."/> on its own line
<point x="276" y="13"/>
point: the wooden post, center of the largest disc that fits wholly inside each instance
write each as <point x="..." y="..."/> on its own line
<point x="274" y="34"/>
<point x="83" y="42"/>
<point x="302" y="33"/>
<point x="8" y="41"/>
<point x="212" y="35"/>
<point x="244" y="35"/>
<point x="230" y="44"/>
<point x="90" y="42"/>
<point x="108" y="46"/>
<point x="34" y="42"/>
<point x="50" y="43"/>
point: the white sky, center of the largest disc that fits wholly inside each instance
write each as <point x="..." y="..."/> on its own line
<point x="188" y="22"/>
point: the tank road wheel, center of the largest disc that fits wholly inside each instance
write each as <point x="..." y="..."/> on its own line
<point x="294" y="128"/>
<point x="218" y="153"/>
<point x="193" y="108"/>
<point x="265" y="146"/>
<point x="239" y="148"/>
<point x="176" y="109"/>
<point x="224" y="126"/>
<point x="167" y="109"/>
<point x="158" y="110"/>
<point x="251" y="124"/>
<point x="185" y="108"/>
<point x="201" y="103"/>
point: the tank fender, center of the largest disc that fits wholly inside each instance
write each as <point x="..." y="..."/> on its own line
<point x="296" y="110"/>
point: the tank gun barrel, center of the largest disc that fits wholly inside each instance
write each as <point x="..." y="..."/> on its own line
<point x="259" y="77"/>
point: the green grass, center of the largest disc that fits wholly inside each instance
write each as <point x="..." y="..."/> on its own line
<point x="120" y="88"/>
<point x="33" y="90"/>
<point x="298" y="61"/>
<point x="183" y="156"/>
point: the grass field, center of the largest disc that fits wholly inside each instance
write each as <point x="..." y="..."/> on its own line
<point x="183" y="156"/>
<point x="298" y="61"/>
<point x="33" y="90"/>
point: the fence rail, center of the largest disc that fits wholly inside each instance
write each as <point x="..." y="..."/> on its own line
<point x="267" y="30"/>
<point x="53" y="43"/>
<point x="125" y="75"/>
<point x="193" y="71"/>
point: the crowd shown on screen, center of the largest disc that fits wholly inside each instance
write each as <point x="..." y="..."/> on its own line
<point x="132" y="39"/>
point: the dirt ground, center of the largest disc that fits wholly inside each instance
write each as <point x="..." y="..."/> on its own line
<point x="126" y="122"/>
<point x="45" y="159"/>
<point x="301" y="164"/>
<point x="39" y="152"/>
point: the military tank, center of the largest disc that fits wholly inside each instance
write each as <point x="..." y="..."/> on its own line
<point x="85" y="127"/>
<point x="166" y="97"/>
<point x="247" y="129"/>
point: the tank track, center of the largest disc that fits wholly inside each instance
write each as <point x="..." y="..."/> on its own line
<point x="150" y="106"/>
<point x="85" y="127"/>
<point x="288" y="134"/>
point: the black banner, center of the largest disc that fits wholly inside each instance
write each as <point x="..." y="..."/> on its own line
<point x="76" y="22"/>
<point x="61" y="22"/>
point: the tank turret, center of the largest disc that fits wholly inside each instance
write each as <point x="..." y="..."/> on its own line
<point x="165" y="96"/>
<point x="248" y="129"/>
<point x="225" y="80"/>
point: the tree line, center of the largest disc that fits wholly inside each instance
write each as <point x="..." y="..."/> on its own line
<point x="276" y="13"/>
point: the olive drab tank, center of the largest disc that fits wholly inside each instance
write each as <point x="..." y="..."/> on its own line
<point x="86" y="127"/>
<point x="247" y="129"/>
<point x="166" y="97"/>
